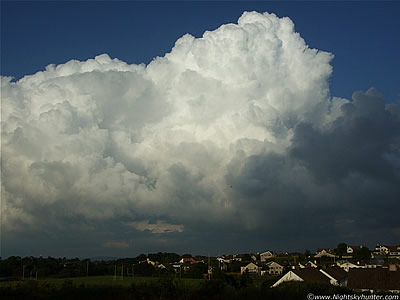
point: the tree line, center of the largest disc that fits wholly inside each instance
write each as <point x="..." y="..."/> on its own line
<point x="30" y="267"/>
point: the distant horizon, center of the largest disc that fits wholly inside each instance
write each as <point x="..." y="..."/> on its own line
<point x="111" y="257"/>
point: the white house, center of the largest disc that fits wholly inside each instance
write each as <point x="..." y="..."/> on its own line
<point x="250" y="268"/>
<point x="266" y="255"/>
<point x="348" y="265"/>
<point x="382" y="249"/>
<point x="325" y="252"/>
<point x="273" y="268"/>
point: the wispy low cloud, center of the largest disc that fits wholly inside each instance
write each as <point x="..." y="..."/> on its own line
<point x="116" y="244"/>
<point x="158" y="227"/>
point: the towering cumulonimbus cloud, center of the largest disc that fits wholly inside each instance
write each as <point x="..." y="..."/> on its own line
<point x="236" y="129"/>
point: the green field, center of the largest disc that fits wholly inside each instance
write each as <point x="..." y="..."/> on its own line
<point x="100" y="280"/>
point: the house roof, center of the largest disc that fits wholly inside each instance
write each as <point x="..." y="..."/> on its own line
<point x="336" y="272"/>
<point x="273" y="263"/>
<point x="250" y="265"/>
<point x="374" y="279"/>
<point x="311" y="275"/>
<point x="188" y="259"/>
<point x="326" y="250"/>
<point x="393" y="248"/>
<point x="355" y="247"/>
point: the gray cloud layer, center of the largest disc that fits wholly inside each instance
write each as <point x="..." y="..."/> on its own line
<point x="231" y="139"/>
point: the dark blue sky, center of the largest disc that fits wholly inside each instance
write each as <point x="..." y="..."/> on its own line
<point x="363" y="36"/>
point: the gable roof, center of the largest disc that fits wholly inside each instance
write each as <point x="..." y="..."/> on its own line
<point x="307" y="275"/>
<point x="311" y="275"/>
<point x="329" y="250"/>
<point x="374" y="279"/>
<point x="273" y="263"/>
<point x="253" y="265"/>
<point x="289" y="276"/>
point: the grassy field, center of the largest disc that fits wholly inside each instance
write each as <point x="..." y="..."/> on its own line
<point x="100" y="280"/>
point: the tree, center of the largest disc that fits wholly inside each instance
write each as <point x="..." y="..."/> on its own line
<point x="362" y="253"/>
<point x="246" y="257"/>
<point x="341" y="249"/>
<point x="144" y="269"/>
<point x="141" y="257"/>
<point x="196" y="270"/>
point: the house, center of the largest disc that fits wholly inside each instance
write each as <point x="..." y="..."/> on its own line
<point x="374" y="280"/>
<point x="306" y="275"/>
<point x="300" y="265"/>
<point x="352" y="249"/>
<point x="161" y="266"/>
<point x="377" y="262"/>
<point x="237" y="257"/>
<point x="200" y="259"/>
<point x="273" y="268"/>
<point x="150" y="262"/>
<point x="224" y="260"/>
<point x="185" y="260"/>
<point x="380" y="249"/>
<point x="347" y="266"/>
<point x="337" y="276"/>
<point x="266" y="255"/>
<point x="231" y="258"/>
<point x="394" y="251"/>
<point x="250" y="268"/>
<point x="325" y="252"/>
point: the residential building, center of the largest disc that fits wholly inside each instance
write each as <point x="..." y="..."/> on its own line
<point x="250" y="268"/>
<point x="348" y="265"/>
<point x="352" y="249"/>
<point x="185" y="260"/>
<point x="374" y="280"/>
<point x="394" y="251"/>
<point x="380" y="249"/>
<point x="307" y="275"/>
<point x="273" y="268"/>
<point x="337" y="276"/>
<point x="266" y="255"/>
<point x="325" y="252"/>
